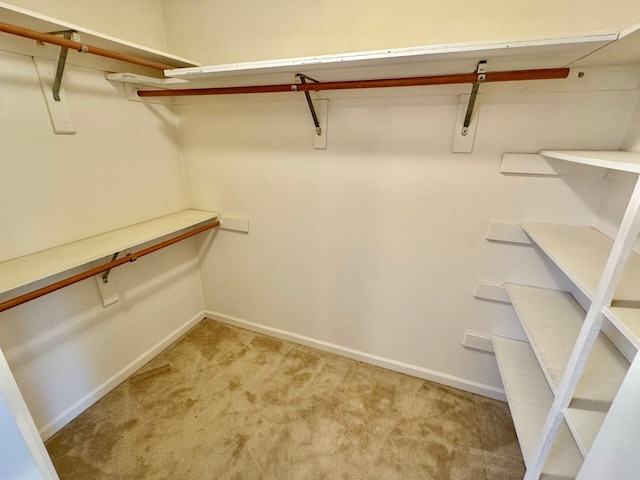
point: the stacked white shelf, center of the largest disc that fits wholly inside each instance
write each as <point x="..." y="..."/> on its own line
<point x="569" y="373"/>
<point x="529" y="399"/>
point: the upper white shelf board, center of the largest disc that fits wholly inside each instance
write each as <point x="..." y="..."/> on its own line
<point x="21" y="271"/>
<point x="42" y="23"/>
<point x="611" y="159"/>
<point x="624" y="51"/>
<point x="581" y="253"/>
<point x="433" y="59"/>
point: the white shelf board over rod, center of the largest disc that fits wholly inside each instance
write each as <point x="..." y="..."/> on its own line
<point x="21" y="271"/>
<point x="42" y="23"/>
<point x="501" y="55"/>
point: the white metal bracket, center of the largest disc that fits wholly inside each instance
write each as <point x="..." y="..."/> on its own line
<point x="132" y="82"/>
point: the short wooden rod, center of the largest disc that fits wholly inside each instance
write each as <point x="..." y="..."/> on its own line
<point x="510" y="76"/>
<point x="79" y="47"/>
<point x="14" y="302"/>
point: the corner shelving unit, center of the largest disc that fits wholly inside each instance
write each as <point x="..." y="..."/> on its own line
<point x="569" y="385"/>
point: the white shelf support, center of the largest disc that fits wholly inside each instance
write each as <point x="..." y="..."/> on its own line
<point x="59" y="111"/>
<point x="491" y="291"/>
<point x="507" y="233"/>
<point x="477" y="341"/>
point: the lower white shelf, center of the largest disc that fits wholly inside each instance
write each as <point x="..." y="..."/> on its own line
<point x="552" y="321"/>
<point x="530" y="399"/>
<point x="581" y="253"/>
<point x="585" y="425"/>
<point x="627" y="320"/>
<point x="22" y="271"/>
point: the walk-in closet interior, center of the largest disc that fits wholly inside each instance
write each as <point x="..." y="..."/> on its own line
<point x="422" y="215"/>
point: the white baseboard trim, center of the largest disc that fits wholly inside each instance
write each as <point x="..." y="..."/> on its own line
<point x="408" y="369"/>
<point x="48" y="430"/>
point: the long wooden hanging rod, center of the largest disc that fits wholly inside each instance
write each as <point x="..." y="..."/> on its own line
<point x="541" y="74"/>
<point x="131" y="257"/>
<point x="80" y="47"/>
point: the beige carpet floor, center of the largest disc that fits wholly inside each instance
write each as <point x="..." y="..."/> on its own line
<point x="226" y="403"/>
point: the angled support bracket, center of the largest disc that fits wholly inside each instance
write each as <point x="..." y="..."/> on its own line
<point x="105" y="275"/>
<point x="62" y="60"/>
<point x="303" y="79"/>
<point x="481" y="70"/>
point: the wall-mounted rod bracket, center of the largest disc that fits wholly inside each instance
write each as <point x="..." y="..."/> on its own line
<point x="481" y="72"/>
<point x="303" y="79"/>
<point x="105" y="275"/>
<point x="62" y="60"/>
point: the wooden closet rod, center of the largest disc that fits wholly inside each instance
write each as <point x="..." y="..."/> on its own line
<point x="541" y="74"/>
<point x="132" y="257"/>
<point x="80" y="47"/>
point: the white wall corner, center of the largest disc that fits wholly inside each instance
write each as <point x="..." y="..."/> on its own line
<point x="631" y="139"/>
<point x="48" y="430"/>
<point x="390" y="364"/>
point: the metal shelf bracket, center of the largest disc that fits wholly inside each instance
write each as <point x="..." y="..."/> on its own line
<point x="105" y="275"/>
<point x="481" y="71"/>
<point x="303" y="79"/>
<point x="62" y="60"/>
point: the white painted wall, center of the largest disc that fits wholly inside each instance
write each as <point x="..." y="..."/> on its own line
<point x="632" y="138"/>
<point x="375" y="243"/>
<point x="620" y="184"/>
<point x="139" y="22"/>
<point x="217" y="31"/>
<point x="122" y="166"/>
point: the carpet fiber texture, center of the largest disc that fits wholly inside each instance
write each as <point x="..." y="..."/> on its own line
<point x="226" y="403"/>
